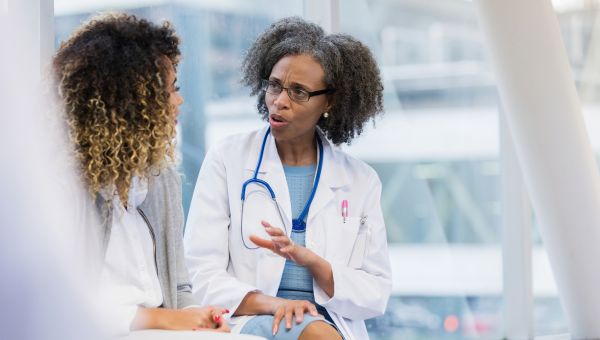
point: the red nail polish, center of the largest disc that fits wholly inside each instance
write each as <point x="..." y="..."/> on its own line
<point x="217" y="318"/>
<point x="227" y="311"/>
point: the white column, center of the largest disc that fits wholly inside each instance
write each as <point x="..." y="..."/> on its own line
<point x="517" y="286"/>
<point x="38" y="14"/>
<point x="325" y="13"/>
<point x="46" y="32"/>
<point x="544" y="117"/>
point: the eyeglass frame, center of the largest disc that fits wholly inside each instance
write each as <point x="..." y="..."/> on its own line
<point x="265" y="83"/>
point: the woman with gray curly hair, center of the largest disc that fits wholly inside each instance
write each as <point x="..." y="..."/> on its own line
<point x="308" y="234"/>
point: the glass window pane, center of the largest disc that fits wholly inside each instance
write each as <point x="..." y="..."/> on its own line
<point x="436" y="151"/>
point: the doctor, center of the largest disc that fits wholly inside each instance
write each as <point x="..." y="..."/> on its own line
<point x="283" y="225"/>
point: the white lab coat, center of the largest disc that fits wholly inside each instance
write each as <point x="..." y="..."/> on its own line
<point x="223" y="270"/>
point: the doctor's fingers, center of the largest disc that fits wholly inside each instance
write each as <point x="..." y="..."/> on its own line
<point x="299" y="312"/>
<point x="285" y="311"/>
<point x="289" y="314"/>
<point x="273" y="231"/>
<point x="277" y="318"/>
<point x="282" y="241"/>
<point x="261" y="242"/>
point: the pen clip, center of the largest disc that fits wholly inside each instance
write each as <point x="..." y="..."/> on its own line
<point x="344" y="210"/>
<point x="363" y="219"/>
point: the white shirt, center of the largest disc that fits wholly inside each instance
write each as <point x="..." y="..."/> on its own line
<point x="129" y="277"/>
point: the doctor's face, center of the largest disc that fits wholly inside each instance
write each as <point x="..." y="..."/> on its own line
<point x="293" y="120"/>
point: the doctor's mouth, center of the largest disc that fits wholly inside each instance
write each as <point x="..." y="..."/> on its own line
<point x="277" y="121"/>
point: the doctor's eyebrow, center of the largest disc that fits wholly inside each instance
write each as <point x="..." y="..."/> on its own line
<point x="293" y="84"/>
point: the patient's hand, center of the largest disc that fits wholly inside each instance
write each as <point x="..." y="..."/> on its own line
<point x="201" y="318"/>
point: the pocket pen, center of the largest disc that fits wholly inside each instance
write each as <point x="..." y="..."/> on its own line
<point x="344" y="210"/>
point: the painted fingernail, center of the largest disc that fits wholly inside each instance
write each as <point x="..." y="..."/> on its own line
<point x="227" y="311"/>
<point x="217" y="318"/>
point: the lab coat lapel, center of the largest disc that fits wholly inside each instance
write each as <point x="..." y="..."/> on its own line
<point x="271" y="171"/>
<point x="275" y="176"/>
<point x="332" y="177"/>
<point x="270" y="265"/>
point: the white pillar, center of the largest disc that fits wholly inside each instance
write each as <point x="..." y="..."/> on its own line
<point x="325" y="13"/>
<point x="46" y="33"/>
<point x="544" y="117"/>
<point x="30" y="14"/>
<point x="517" y="285"/>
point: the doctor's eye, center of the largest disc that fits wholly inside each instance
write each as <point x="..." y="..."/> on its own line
<point x="271" y="86"/>
<point x="299" y="93"/>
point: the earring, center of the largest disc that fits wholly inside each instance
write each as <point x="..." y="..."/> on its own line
<point x="326" y="115"/>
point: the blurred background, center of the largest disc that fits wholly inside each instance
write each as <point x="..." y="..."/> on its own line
<point x="436" y="148"/>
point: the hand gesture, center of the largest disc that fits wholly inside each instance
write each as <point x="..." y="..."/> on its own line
<point x="283" y="246"/>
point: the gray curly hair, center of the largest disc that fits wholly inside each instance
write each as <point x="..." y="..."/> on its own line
<point x="348" y="64"/>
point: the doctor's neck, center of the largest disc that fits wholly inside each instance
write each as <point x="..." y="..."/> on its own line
<point x="299" y="151"/>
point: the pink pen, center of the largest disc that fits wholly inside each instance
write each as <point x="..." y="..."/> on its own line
<point x="344" y="210"/>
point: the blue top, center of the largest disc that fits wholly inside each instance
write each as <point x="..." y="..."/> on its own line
<point x="297" y="281"/>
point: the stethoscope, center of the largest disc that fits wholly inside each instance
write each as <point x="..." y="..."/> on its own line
<point x="298" y="224"/>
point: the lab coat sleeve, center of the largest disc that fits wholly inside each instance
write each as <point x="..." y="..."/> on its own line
<point x="206" y="238"/>
<point x="362" y="293"/>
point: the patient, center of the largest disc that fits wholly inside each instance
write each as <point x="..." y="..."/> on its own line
<point x="116" y="78"/>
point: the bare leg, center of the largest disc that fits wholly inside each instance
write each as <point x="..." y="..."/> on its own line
<point x="319" y="330"/>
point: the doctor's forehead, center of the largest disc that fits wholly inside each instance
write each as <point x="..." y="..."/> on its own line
<point x="303" y="69"/>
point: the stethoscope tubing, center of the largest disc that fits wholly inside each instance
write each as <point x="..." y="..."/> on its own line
<point x="263" y="183"/>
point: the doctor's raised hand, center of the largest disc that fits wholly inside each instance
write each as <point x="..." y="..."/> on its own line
<point x="283" y="246"/>
<point x="317" y="265"/>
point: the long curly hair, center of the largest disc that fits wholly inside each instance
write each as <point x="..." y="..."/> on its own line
<point x="348" y="64"/>
<point x="111" y="77"/>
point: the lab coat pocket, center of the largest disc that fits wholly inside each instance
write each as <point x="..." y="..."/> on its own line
<point x="359" y="250"/>
<point x="341" y="237"/>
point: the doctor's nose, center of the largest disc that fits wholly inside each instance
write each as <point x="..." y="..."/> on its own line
<point x="282" y="100"/>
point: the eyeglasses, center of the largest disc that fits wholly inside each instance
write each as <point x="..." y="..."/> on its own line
<point x="295" y="93"/>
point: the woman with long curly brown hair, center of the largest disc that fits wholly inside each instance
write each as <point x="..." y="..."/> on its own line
<point x="116" y="79"/>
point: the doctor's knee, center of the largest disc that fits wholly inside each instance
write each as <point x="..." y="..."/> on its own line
<point x="319" y="330"/>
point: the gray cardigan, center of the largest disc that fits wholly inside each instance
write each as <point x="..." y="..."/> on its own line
<point x="162" y="210"/>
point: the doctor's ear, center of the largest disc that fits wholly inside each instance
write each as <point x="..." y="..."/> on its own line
<point x="326" y="113"/>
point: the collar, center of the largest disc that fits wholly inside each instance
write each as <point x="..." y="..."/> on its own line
<point x="138" y="191"/>
<point x="333" y="173"/>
